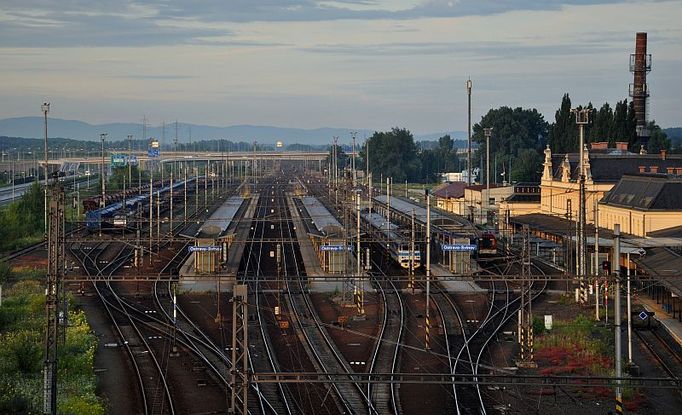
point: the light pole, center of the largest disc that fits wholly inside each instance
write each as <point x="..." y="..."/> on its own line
<point x="102" y="202"/>
<point x="130" y="167"/>
<point x="582" y="118"/>
<point x="469" y="86"/>
<point x="488" y="132"/>
<point x="46" y="109"/>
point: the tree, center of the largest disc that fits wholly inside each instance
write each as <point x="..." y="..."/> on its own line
<point x="527" y="166"/>
<point x="563" y="135"/>
<point x="658" y="140"/>
<point x="620" y="122"/>
<point x="514" y="130"/>
<point x="602" y="124"/>
<point x="392" y="154"/>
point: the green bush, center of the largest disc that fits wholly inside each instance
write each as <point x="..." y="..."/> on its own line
<point x="22" y="322"/>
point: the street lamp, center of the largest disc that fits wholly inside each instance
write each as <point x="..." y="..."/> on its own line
<point x="102" y="203"/>
<point x="45" y="108"/>
<point x="488" y="132"/>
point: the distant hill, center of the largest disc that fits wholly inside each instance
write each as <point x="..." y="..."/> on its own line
<point x="32" y="127"/>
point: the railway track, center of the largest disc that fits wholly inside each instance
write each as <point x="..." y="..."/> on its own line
<point x="278" y="394"/>
<point x="155" y="393"/>
<point x="385" y="358"/>
<point x="351" y="396"/>
<point x="497" y="317"/>
<point x="660" y="350"/>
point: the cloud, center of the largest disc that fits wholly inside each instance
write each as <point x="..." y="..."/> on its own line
<point x="481" y="50"/>
<point x="34" y="23"/>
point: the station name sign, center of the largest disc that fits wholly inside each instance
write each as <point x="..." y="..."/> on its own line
<point x="332" y="248"/>
<point x="459" y="247"/>
<point x="204" y="248"/>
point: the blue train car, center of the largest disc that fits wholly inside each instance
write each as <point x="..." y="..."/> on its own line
<point x="116" y="214"/>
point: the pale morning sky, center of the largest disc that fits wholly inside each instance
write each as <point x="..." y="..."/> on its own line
<point x="346" y="63"/>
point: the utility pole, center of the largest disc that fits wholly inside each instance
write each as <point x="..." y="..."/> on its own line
<point x="103" y="203"/>
<point x="170" y="195"/>
<point x="353" y="134"/>
<point x="130" y="166"/>
<point x="151" y="215"/>
<point x="239" y="369"/>
<point x="46" y="109"/>
<point x="525" y="311"/>
<point x="616" y="319"/>
<point x="358" y="271"/>
<point x="410" y="284"/>
<point x="582" y="118"/>
<point x="488" y="132"/>
<point x="427" y="326"/>
<point x="469" y="86"/>
<point x="596" y="258"/>
<point x="55" y="270"/>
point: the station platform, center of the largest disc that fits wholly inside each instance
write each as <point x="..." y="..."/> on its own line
<point x="459" y="286"/>
<point x="222" y="278"/>
<point x="190" y="282"/>
<point x="236" y="250"/>
<point x="671" y="324"/>
<point x="310" y="261"/>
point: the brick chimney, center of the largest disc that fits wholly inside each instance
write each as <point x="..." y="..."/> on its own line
<point x="600" y="145"/>
<point x="664" y="154"/>
<point x="653" y="169"/>
<point x="642" y="169"/>
<point x="622" y="145"/>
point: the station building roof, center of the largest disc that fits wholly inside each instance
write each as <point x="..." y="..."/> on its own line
<point x="646" y="192"/>
<point x="219" y="221"/>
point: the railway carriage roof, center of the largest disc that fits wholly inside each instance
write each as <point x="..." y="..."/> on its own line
<point x="406" y="208"/>
<point x="379" y="222"/>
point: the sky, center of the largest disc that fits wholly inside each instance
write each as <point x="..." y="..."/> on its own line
<point x="370" y="64"/>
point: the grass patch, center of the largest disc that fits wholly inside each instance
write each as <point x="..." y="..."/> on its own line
<point x="579" y="347"/>
<point x="22" y="319"/>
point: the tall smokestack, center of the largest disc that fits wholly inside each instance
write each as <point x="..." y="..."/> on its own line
<point x="640" y="65"/>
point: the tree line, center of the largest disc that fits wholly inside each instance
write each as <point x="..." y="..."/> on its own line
<point x="518" y="139"/>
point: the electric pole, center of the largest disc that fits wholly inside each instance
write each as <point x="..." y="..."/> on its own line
<point x="582" y="118"/>
<point x="469" y="86"/>
<point x="46" y="109"/>
<point x="488" y="132"/>
<point x="55" y="270"/>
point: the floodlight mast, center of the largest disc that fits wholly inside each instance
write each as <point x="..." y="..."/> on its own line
<point x="45" y="108"/>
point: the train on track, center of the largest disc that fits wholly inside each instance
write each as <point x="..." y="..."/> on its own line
<point x="115" y="215"/>
<point x="396" y="244"/>
<point x="486" y="245"/>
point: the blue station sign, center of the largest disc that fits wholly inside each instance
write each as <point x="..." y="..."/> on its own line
<point x="210" y="248"/>
<point x="332" y="248"/>
<point x="459" y="247"/>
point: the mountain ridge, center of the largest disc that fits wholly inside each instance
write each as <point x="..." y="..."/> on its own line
<point x="32" y="127"/>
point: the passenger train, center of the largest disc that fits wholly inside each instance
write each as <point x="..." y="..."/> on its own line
<point x="397" y="246"/>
